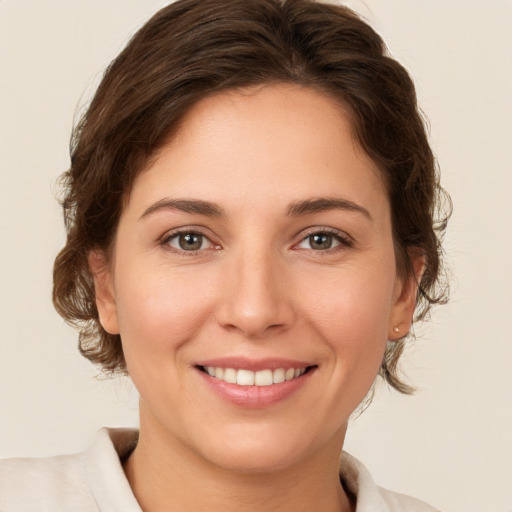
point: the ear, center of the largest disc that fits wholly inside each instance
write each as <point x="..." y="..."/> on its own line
<point x="406" y="291"/>
<point x="104" y="291"/>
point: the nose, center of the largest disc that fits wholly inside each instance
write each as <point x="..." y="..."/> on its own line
<point x="256" y="297"/>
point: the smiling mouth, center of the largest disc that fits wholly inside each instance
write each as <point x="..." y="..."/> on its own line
<point x="266" y="377"/>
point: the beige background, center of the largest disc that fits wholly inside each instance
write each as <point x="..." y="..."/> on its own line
<point x="449" y="444"/>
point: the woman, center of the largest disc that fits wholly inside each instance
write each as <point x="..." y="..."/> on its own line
<point x="250" y="231"/>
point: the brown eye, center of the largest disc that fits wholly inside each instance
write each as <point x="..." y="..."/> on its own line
<point x="324" y="241"/>
<point x="189" y="241"/>
<point x="320" y="241"/>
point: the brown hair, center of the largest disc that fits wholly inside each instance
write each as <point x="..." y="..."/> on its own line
<point x="194" y="48"/>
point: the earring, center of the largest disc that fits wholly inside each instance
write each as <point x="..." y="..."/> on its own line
<point x="396" y="329"/>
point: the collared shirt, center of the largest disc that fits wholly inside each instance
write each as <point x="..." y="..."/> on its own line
<point x="94" y="481"/>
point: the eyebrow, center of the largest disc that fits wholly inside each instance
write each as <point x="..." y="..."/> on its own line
<point x="295" y="209"/>
<point x="185" y="205"/>
<point x="322" y="204"/>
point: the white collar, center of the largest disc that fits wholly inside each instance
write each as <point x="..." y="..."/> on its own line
<point x="113" y="493"/>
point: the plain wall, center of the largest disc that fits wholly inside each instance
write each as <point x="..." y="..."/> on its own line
<point x="449" y="444"/>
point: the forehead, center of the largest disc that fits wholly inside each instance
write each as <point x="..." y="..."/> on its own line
<point x="272" y="141"/>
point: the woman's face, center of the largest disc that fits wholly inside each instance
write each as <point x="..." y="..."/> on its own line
<point x="256" y="247"/>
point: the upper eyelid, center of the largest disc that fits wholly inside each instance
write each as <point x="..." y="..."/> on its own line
<point x="172" y="234"/>
<point x="302" y="235"/>
<point x="345" y="241"/>
<point x="197" y="230"/>
<point x="324" y="229"/>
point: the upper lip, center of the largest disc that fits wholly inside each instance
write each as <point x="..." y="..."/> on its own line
<point x="244" y="363"/>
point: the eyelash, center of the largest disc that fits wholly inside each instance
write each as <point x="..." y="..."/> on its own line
<point x="166" y="242"/>
<point x="345" y="242"/>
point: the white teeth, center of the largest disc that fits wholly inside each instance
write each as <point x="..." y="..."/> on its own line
<point x="278" y="376"/>
<point x="290" y="374"/>
<point x="250" y="378"/>
<point x="263" y="378"/>
<point x="245" y="378"/>
<point x="230" y="375"/>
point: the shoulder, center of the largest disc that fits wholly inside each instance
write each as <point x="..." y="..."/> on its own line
<point x="90" y="481"/>
<point x="370" y="497"/>
<point x="402" y="503"/>
<point x="44" y="483"/>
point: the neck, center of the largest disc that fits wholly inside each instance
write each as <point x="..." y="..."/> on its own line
<point x="165" y="475"/>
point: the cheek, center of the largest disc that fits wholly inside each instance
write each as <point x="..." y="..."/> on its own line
<point x="159" y="310"/>
<point x="352" y="316"/>
<point x="354" y="301"/>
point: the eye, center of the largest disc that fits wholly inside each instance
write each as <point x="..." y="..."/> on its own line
<point x="188" y="241"/>
<point x="324" y="241"/>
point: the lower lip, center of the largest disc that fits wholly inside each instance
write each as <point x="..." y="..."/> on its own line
<point x="255" y="397"/>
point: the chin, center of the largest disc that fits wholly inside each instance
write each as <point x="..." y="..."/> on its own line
<point x="252" y="451"/>
<point x="256" y="459"/>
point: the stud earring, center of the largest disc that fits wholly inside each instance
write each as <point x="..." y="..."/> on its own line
<point x="396" y="329"/>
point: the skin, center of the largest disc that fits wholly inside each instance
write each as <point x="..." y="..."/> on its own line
<point x="258" y="287"/>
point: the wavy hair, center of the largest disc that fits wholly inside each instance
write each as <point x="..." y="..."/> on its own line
<point x="192" y="49"/>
